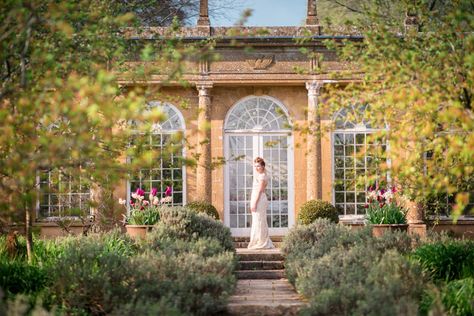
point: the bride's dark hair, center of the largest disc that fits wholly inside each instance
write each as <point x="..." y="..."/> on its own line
<point x="260" y="161"/>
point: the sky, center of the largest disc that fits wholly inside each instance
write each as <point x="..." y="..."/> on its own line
<point x="266" y="13"/>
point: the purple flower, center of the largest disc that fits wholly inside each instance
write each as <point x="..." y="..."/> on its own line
<point x="140" y="192"/>
<point x="168" y="191"/>
<point x="154" y="191"/>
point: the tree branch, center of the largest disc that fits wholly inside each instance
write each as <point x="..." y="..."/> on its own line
<point x="31" y="20"/>
<point x="348" y="7"/>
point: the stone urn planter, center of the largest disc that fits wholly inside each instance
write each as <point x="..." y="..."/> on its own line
<point x="138" y="231"/>
<point x="379" y="229"/>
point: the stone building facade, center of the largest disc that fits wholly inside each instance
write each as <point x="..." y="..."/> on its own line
<point x="262" y="86"/>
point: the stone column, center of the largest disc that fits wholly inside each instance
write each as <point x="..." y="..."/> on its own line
<point x="203" y="19"/>
<point x="203" y="171"/>
<point x="313" y="150"/>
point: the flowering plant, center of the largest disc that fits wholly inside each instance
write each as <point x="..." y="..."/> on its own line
<point x="382" y="207"/>
<point x="143" y="211"/>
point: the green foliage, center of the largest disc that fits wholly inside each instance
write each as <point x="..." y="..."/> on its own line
<point x="193" y="283"/>
<point x="313" y="209"/>
<point x="148" y="216"/>
<point x="426" y="75"/>
<point x="446" y="261"/>
<point x="19" y="251"/>
<point x="189" y="277"/>
<point x="359" y="281"/>
<point x="180" y="223"/>
<point x="349" y="272"/>
<point x="306" y="243"/>
<point x="458" y="297"/>
<point x="17" y="276"/>
<point x="387" y="214"/>
<point x="203" y="207"/>
<point x="104" y="277"/>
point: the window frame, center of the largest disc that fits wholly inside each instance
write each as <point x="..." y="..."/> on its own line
<point x="39" y="216"/>
<point x="158" y="130"/>
<point x="357" y="128"/>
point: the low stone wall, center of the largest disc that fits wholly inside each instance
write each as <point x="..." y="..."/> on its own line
<point x="463" y="228"/>
<point x="53" y="230"/>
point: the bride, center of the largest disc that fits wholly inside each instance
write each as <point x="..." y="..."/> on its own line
<point x="259" y="238"/>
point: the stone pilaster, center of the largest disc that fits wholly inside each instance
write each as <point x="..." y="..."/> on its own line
<point x="314" y="187"/>
<point x="203" y="171"/>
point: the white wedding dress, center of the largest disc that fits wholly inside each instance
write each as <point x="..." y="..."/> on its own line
<point x="259" y="238"/>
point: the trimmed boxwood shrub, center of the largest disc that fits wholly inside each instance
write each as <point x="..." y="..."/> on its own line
<point x="203" y="207"/>
<point x="313" y="209"/>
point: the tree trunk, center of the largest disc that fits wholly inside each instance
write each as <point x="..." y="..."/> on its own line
<point x="29" y="236"/>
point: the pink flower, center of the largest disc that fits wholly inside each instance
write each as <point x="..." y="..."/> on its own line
<point x="140" y="192"/>
<point x="145" y="203"/>
<point x="153" y="191"/>
<point x="168" y="191"/>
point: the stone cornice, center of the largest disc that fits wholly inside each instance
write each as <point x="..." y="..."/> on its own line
<point x="239" y="33"/>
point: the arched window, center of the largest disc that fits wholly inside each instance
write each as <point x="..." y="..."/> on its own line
<point x="168" y="169"/>
<point x="357" y="156"/>
<point x="258" y="114"/>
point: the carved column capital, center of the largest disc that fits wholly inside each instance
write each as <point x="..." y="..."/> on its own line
<point x="314" y="88"/>
<point x="204" y="88"/>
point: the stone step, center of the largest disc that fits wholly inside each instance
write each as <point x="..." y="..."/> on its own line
<point x="244" y="244"/>
<point x="268" y="309"/>
<point x="264" y="297"/>
<point x="260" y="265"/>
<point x="247" y="238"/>
<point x="269" y="297"/>
<point x="274" y="254"/>
<point x="260" y="274"/>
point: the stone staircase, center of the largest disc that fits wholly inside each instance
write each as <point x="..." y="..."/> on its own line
<point x="262" y="288"/>
<point x="243" y="242"/>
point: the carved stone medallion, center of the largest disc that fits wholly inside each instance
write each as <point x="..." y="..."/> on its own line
<point x="260" y="62"/>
